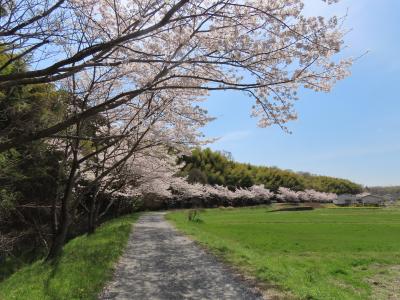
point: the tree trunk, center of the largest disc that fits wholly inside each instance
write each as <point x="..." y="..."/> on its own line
<point x="92" y="214"/>
<point x="93" y="219"/>
<point x="64" y="221"/>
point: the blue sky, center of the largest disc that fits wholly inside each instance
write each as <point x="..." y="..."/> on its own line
<point x="352" y="132"/>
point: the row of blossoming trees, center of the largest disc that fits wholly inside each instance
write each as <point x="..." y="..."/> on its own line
<point x="128" y="76"/>
<point x="179" y="193"/>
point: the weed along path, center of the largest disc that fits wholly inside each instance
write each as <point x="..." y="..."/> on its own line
<point x="161" y="263"/>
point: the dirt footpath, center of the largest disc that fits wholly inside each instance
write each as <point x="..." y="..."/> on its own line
<point x="161" y="263"/>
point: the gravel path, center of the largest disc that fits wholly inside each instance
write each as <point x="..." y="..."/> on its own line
<point x="161" y="263"/>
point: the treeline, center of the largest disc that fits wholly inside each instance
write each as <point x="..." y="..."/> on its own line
<point x="218" y="168"/>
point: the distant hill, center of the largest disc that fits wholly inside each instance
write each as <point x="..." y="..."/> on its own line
<point x="214" y="167"/>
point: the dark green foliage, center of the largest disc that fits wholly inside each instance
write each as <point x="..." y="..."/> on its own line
<point x="30" y="173"/>
<point x="196" y="175"/>
<point x="213" y="167"/>
<point x="28" y="109"/>
<point x="273" y="178"/>
<point x="331" y="184"/>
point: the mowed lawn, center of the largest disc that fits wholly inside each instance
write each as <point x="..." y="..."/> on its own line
<point x="327" y="253"/>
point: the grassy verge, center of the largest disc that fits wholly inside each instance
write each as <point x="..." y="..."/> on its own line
<point x="80" y="273"/>
<point x="326" y="253"/>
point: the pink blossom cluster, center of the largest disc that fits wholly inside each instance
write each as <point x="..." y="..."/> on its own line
<point x="186" y="190"/>
<point x="288" y="195"/>
<point x="180" y="190"/>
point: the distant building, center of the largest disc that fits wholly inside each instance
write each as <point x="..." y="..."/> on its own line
<point x="345" y="200"/>
<point x="389" y="199"/>
<point x="360" y="199"/>
<point x="372" y="200"/>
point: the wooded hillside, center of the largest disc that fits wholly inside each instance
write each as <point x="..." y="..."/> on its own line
<point x="213" y="167"/>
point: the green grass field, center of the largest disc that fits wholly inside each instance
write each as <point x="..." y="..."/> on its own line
<point x="327" y="253"/>
<point x="81" y="272"/>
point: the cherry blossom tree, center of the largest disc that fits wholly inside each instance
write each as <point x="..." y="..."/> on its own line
<point x="103" y="149"/>
<point x="266" y="49"/>
<point x="207" y="195"/>
<point x="260" y="193"/>
<point x="315" y="196"/>
<point x="287" y="195"/>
